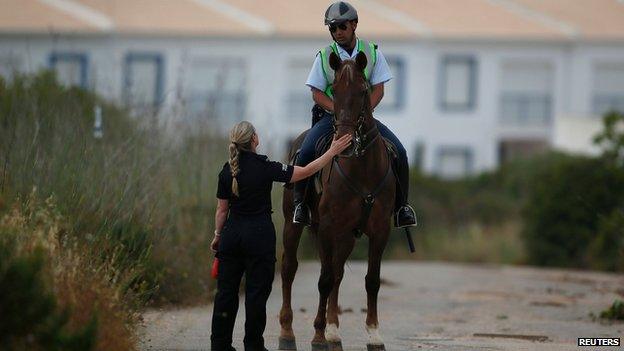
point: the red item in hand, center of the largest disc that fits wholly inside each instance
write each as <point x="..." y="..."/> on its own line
<point x="215" y="268"/>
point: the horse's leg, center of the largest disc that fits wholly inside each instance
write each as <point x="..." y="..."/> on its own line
<point x="342" y="248"/>
<point x="377" y="244"/>
<point x="292" y="235"/>
<point x="324" y="287"/>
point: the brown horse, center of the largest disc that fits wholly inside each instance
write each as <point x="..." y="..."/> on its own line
<point x="357" y="197"/>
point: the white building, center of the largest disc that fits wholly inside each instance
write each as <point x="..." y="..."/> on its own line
<point x="476" y="82"/>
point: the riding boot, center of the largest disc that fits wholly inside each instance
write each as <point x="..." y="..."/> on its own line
<point x="301" y="212"/>
<point x="404" y="213"/>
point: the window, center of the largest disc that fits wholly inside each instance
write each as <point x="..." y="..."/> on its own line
<point x="299" y="97"/>
<point x="525" y="109"/>
<point x="70" y="68"/>
<point x="608" y="88"/>
<point x="526" y="93"/>
<point x="9" y="66"/>
<point x="457" y="85"/>
<point x="454" y="162"/>
<point x="215" y="89"/>
<point x="394" y="90"/>
<point x="143" y="79"/>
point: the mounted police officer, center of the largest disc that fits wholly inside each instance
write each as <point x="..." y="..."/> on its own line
<point x="341" y="18"/>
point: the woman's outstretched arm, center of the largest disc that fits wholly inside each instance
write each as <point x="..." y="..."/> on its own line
<point x="336" y="147"/>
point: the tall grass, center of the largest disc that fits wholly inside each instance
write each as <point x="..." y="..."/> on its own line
<point x="59" y="292"/>
<point x="136" y="193"/>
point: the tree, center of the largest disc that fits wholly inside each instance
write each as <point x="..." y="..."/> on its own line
<point x="611" y="138"/>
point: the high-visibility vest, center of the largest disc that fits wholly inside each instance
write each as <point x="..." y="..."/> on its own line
<point x="368" y="48"/>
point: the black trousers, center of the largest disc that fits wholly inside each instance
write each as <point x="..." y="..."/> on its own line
<point x="247" y="246"/>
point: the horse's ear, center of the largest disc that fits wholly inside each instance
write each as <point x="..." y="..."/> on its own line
<point x="334" y="61"/>
<point x="361" y="61"/>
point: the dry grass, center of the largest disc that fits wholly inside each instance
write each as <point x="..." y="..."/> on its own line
<point x="133" y="189"/>
<point x="81" y="282"/>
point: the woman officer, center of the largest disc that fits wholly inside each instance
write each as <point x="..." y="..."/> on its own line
<point x="244" y="239"/>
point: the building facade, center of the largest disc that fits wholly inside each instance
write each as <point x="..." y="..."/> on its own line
<point x="467" y="95"/>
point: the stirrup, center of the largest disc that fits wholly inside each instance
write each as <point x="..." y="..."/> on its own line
<point x="408" y="219"/>
<point x="301" y="214"/>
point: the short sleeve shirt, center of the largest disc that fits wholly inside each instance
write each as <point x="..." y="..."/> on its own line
<point x="255" y="181"/>
<point x="380" y="73"/>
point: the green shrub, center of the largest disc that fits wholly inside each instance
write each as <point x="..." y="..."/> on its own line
<point x="455" y="203"/>
<point x="565" y="205"/>
<point x="611" y="138"/>
<point x="31" y="318"/>
<point x="573" y="216"/>
<point x="615" y="312"/>
<point x="606" y="251"/>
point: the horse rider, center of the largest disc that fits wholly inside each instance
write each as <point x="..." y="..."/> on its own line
<point x="244" y="240"/>
<point x="342" y="19"/>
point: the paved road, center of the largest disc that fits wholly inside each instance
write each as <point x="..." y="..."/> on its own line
<point x="428" y="306"/>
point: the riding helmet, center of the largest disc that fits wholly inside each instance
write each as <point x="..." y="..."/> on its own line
<point x="339" y="12"/>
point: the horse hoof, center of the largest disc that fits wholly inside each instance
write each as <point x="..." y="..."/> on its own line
<point x="287" y="344"/>
<point x="375" y="347"/>
<point x="319" y="346"/>
<point x="335" y="345"/>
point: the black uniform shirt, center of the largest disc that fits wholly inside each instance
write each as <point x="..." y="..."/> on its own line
<point x="255" y="181"/>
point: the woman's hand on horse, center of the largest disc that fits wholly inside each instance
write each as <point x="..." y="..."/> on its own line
<point x="338" y="145"/>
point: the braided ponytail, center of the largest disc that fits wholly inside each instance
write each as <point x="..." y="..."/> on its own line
<point x="240" y="140"/>
<point x="234" y="167"/>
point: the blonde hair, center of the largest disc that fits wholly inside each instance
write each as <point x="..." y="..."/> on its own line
<point x="240" y="140"/>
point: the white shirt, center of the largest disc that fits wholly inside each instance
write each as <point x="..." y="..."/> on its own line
<point x="380" y="73"/>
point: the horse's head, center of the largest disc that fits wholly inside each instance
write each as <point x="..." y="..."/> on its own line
<point x="351" y="97"/>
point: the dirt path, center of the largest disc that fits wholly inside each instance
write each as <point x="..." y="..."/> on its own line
<point x="428" y="306"/>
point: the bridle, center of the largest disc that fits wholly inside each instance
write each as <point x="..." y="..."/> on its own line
<point x="361" y="140"/>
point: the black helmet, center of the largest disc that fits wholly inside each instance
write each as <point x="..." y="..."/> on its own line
<point x="339" y="12"/>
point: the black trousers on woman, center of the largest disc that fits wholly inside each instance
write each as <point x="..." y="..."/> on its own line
<point x="246" y="247"/>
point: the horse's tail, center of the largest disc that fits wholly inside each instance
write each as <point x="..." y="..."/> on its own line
<point x="295" y="146"/>
<point x="293" y="150"/>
